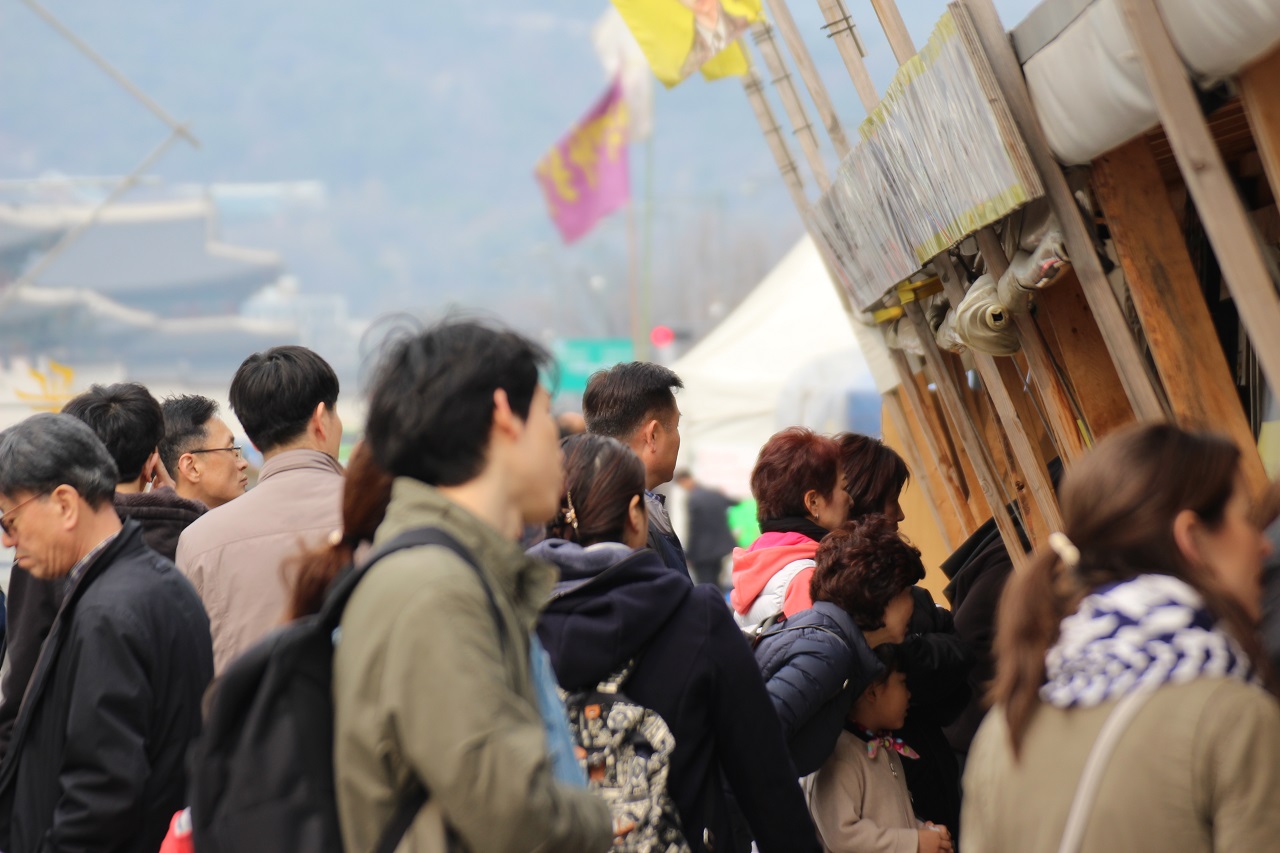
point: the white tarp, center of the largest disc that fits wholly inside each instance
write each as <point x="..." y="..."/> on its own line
<point x="775" y="360"/>
<point x="1087" y="82"/>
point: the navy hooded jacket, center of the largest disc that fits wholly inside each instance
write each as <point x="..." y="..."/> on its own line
<point x="694" y="669"/>
<point x="815" y="666"/>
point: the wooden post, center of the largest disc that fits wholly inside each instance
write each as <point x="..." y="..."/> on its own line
<point x="762" y="32"/>
<point x="1060" y="408"/>
<point x="919" y="471"/>
<point x="841" y="29"/>
<point x="1225" y="220"/>
<point x="969" y="436"/>
<point x="895" y="29"/>
<point x="1166" y="294"/>
<point x="809" y="74"/>
<point x="937" y="476"/>
<point x="1079" y="238"/>
<point x="1019" y="432"/>
<point x="777" y="144"/>
<point x="1261" y="101"/>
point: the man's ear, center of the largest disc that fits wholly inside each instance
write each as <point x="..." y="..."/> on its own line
<point x="67" y="501"/>
<point x="650" y="433"/>
<point x="187" y="468"/>
<point x="505" y="421"/>
<point x="318" y="426"/>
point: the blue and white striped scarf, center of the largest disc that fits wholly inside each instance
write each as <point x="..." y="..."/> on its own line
<point x="1138" y="634"/>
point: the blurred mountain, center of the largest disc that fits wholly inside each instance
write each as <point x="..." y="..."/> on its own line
<point x="423" y="121"/>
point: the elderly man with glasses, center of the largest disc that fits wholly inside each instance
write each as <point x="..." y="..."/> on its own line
<point x="96" y="756"/>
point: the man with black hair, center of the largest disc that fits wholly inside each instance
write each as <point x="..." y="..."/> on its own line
<point x="433" y="679"/>
<point x="635" y="403"/>
<point x="98" y="751"/>
<point x="236" y="555"/>
<point x="199" y="451"/>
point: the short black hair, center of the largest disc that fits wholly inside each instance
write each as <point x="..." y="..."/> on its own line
<point x="185" y="425"/>
<point x="621" y="399"/>
<point x="431" y="409"/>
<point x="892" y="658"/>
<point x="126" y="418"/>
<point x="274" y="393"/>
<point x="47" y="450"/>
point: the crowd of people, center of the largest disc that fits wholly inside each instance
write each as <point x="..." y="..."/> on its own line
<point x="553" y="671"/>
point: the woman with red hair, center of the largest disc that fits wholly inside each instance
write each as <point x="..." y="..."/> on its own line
<point x="800" y="497"/>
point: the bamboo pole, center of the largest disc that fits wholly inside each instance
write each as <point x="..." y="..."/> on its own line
<point x="786" y="26"/>
<point x="1079" y="238"/>
<point x="841" y="29"/>
<point x="754" y="88"/>
<point x="762" y="33"/>
<point x="895" y="29"/>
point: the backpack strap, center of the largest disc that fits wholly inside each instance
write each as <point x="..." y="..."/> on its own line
<point x="331" y="616"/>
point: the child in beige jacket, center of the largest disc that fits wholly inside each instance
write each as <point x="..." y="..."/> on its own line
<point x="859" y="799"/>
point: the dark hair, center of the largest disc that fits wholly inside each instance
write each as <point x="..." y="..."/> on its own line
<point x="126" y="418"/>
<point x="891" y="658"/>
<point x="1119" y="503"/>
<point x="601" y="476"/>
<point x="874" y="473"/>
<point x="620" y="400"/>
<point x="431" y="409"/>
<point x="863" y="566"/>
<point x="366" y="491"/>
<point x="275" y="392"/>
<point x="186" y="420"/>
<point x="790" y="464"/>
<point x="47" y="450"/>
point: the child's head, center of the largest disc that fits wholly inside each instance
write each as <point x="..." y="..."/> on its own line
<point x="883" y="705"/>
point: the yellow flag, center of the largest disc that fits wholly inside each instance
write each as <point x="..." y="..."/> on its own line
<point x="679" y="37"/>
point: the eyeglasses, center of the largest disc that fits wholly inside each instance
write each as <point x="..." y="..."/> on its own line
<point x="236" y="449"/>
<point x="6" y="520"/>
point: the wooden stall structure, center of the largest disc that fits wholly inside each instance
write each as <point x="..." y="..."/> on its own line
<point x="1036" y="294"/>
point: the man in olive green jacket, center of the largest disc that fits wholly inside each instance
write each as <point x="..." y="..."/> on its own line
<point x="427" y="686"/>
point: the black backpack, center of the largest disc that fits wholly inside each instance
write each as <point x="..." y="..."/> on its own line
<point x="260" y="775"/>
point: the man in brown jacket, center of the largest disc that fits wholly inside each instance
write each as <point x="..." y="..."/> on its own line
<point x="430" y="684"/>
<point x="236" y="555"/>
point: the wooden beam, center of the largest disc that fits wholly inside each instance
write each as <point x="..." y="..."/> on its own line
<point x="1225" y="221"/>
<point x="895" y="29"/>
<point x="1261" y="98"/>
<point x="1076" y="232"/>
<point x="841" y="29"/>
<point x="1060" y="408"/>
<point x="1167" y="297"/>
<point x="1019" y="432"/>
<point x="975" y="450"/>
<point x="920" y="471"/>
<point x="762" y="33"/>
<point x="754" y="88"/>
<point x="1076" y="346"/>
<point x="786" y="26"/>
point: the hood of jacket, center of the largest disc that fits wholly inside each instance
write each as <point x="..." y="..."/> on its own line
<point x="753" y="567"/>
<point x="609" y="603"/>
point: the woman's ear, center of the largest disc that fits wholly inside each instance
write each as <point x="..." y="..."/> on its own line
<point x="637" y="529"/>
<point x="1186" y="535"/>
<point x="811" y="502"/>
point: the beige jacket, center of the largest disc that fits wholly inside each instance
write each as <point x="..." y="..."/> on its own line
<point x="1198" y="770"/>
<point x="422" y="685"/>
<point x="861" y="804"/>
<point x="235" y="554"/>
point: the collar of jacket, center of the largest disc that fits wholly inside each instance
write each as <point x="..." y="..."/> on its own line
<point x="527" y="582"/>
<point x="129" y="538"/>
<point x="292" y="460"/>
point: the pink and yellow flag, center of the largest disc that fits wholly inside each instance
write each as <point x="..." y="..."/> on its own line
<point x="585" y="176"/>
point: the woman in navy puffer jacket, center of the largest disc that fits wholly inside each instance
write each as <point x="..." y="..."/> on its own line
<point x="819" y="661"/>
<point x="615" y="603"/>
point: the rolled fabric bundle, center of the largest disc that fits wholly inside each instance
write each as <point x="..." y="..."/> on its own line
<point x="983" y="322"/>
<point x="1032" y="271"/>
<point x="946" y="336"/>
<point x="901" y="334"/>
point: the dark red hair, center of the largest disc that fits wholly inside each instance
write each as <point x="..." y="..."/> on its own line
<point x="790" y="464"/>
<point x="863" y="566"/>
<point x="874" y="473"/>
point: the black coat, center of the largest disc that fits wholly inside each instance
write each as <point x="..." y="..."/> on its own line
<point x="163" y="514"/>
<point x="937" y="663"/>
<point x="815" y="665"/>
<point x="695" y="669"/>
<point x="978" y="572"/>
<point x="709" y="536"/>
<point x="96" y="760"/>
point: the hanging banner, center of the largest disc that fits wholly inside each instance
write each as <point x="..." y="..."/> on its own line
<point x="585" y="176"/>
<point x="681" y="36"/>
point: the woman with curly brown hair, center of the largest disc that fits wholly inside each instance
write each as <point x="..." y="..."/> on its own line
<point x="819" y="661"/>
<point x="1129" y="670"/>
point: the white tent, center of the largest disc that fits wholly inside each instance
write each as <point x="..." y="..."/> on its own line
<point x="787" y="355"/>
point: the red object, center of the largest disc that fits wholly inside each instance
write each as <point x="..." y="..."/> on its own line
<point x="662" y="336"/>
<point x="179" y="838"/>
